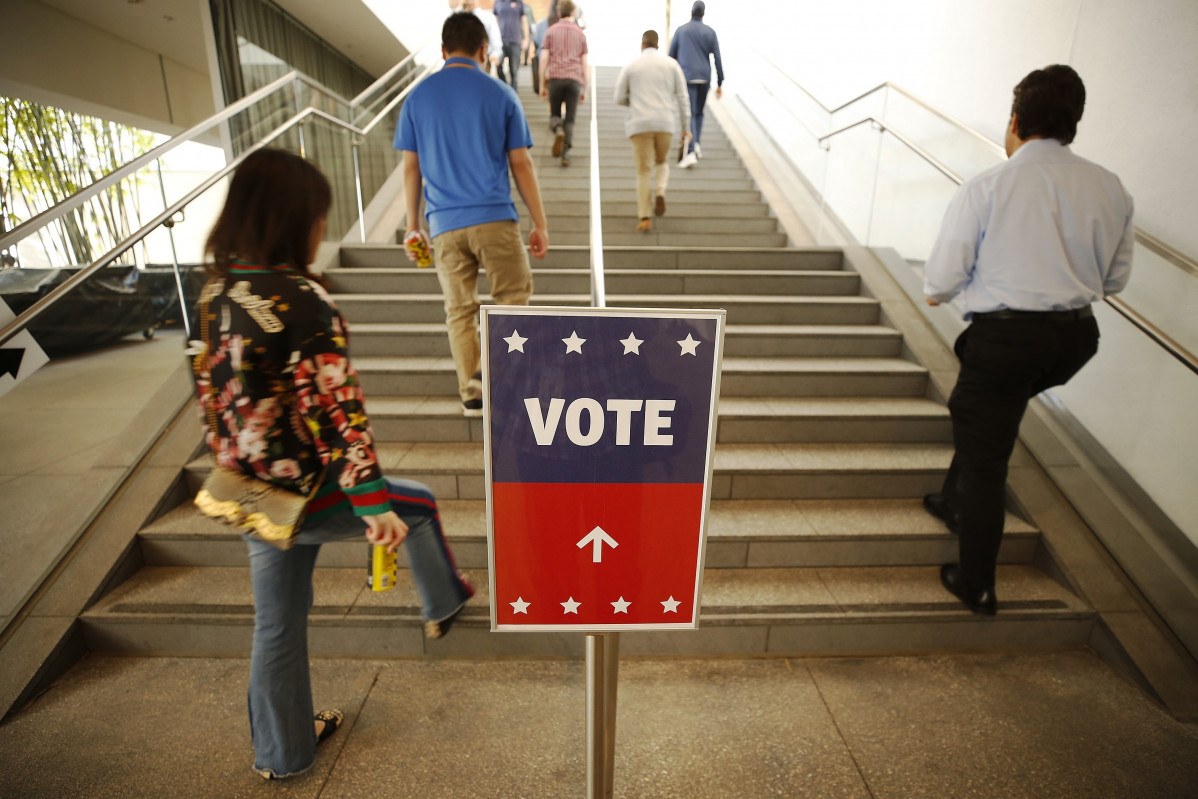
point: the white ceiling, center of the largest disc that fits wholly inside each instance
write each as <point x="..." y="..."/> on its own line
<point x="173" y="27"/>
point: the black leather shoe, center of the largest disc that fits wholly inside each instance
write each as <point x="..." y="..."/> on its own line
<point x="983" y="602"/>
<point x="938" y="506"/>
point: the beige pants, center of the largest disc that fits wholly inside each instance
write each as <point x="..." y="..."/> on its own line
<point x="498" y="248"/>
<point x="652" y="151"/>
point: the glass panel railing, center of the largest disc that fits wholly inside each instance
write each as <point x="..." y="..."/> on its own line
<point x="891" y="167"/>
<point x="92" y="328"/>
<point x="908" y="201"/>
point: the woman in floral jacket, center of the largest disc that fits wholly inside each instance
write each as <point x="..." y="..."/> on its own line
<point x="288" y="409"/>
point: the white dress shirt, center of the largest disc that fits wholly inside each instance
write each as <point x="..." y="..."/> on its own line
<point x="654" y="89"/>
<point x="1045" y="230"/>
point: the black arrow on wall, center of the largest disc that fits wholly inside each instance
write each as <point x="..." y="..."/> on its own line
<point x="10" y="361"/>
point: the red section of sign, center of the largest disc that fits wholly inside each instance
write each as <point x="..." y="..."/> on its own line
<point x="538" y="560"/>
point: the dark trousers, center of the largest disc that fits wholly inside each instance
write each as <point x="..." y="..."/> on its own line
<point x="535" y="65"/>
<point x="1004" y="363"/>
<point x="698" y="93"/>
<point x="564" y="91"/>
<point x="511" y="54"/>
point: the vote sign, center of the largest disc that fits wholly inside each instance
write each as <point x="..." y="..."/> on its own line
<point x="599" y="431"/>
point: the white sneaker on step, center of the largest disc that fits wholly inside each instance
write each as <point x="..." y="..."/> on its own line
<point x="688" y="161"/>
<point x="698" y="151"/>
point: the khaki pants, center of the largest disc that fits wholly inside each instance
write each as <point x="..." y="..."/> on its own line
<point x="652" y="151"/>
<point x="498" y="248"/>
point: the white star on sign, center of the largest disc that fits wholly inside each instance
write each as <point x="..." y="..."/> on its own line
<point x="670" y="605"/>
<point x="570" y="606"/>
<point x="689" y="345"/>
<point x="620" y="605"/>
<point x="520" y="606"/>
<point x="574" y="343"/>
<point x="515" y="342"/>
<point x="632" y="344"/>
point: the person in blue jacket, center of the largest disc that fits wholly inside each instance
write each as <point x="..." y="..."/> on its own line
<point x="693" y="46"/>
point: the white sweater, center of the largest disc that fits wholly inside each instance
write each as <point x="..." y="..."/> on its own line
<point x="654" y="89"/>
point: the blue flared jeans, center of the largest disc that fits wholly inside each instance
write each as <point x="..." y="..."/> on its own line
<point x="280" y="690"/>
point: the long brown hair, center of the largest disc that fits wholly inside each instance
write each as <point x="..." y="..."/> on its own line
<point x="275" y="198"/>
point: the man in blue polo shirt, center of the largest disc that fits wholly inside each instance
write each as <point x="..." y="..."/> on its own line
<point x="460" y="131"/>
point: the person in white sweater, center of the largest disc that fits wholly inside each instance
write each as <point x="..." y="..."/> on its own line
<point x="654" y="90"/>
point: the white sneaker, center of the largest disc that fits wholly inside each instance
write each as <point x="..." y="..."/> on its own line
<point x="698" y="151"/>
<point x="688" y="161"/>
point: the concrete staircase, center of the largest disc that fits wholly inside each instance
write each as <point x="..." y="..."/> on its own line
<point x="828" y="437"/>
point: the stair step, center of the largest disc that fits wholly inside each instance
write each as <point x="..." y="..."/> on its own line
<point x="742" y="420"/>
<point x="805" y="341"/>
<point x="189" y="611"/>
<point x="551" y="196"/>
<point x="830" y="310"/>
<point x="354" y="256"/>
<point x="378" y="280"/>
<point x="741" y="377"/>
<point x="741" y="534"/>
<point x="682" y="222"/>
<point x="742" y="471"/>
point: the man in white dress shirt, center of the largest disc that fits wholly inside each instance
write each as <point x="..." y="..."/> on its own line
<point x="1027" y="245"/>
<point x="655" y="92"/>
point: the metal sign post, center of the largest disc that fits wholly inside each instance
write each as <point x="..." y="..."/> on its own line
<point x="603" y="671"/>
<point x="599" y="433"/>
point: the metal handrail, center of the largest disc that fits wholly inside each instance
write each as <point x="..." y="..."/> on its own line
<point x="911" y="145"/>
<point x="61" y="209"/>
<point x="1170" y="254"/>
<point x="598" y="280"/>
<point x="387" y="76"/>
<point x="1173" y="256"/>
<point x="38" y="308"/>
<point x="952" y="120"/>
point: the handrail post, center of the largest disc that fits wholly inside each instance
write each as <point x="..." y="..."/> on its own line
<point x="355" y="144"/>
<point x="169" y="224"/>
<point x="598" y="282"/>
<point x="303" y="149"/>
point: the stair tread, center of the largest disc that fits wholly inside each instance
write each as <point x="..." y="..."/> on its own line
<point x="731" y="330"/>
<point x="641" y="300"/>
<point x="368" y="363"/>
<point x="728" y="520"/>
<point x="618" y="272"/>
<point x="174" y="594"/>
<point x="466" y="457"/>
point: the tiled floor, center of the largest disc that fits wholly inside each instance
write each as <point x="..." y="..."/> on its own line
<point x="1035" y="725"/>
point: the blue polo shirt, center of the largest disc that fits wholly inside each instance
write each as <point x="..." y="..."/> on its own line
<point x="461" y="123"/>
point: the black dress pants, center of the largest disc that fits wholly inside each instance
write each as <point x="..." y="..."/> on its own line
<point x="563" y="91"/>
<point x="1004" y="363"/>
<point x="511" y="54"/>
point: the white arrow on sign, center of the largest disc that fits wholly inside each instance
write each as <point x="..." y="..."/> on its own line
<point x="597" y="538"/>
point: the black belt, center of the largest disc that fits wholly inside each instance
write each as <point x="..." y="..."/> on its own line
<point x="1072" y="315"/>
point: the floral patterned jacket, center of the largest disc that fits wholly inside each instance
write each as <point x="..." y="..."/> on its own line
<point x="287" y="402"/>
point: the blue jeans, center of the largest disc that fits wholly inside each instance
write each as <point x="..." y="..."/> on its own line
<point x="280" y="689"/>
<point x="698" y="93"/>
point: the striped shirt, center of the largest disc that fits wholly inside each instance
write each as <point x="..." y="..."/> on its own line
<point x="565" y="44"/>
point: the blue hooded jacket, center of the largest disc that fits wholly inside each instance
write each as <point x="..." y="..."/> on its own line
<point x="693" y="45"/>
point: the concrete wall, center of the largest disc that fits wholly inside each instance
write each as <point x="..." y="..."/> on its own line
<point x="56" y="59"/>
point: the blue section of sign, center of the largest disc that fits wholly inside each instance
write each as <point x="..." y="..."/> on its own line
<point x="599" y="399"/>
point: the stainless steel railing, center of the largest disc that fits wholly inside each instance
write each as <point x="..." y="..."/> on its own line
<point x="1169" y="254"/>
<point x="598" y="281"/>
<point x="291" y="80"/>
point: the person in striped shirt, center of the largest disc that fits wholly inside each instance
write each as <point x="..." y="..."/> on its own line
<point x="564" y="77"/>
